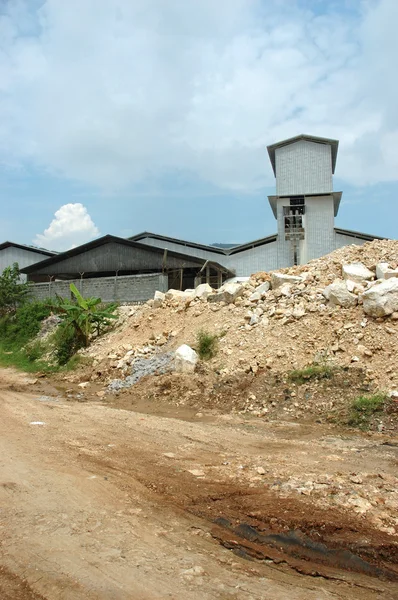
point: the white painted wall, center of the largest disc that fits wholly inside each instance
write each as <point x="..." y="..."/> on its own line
<point x="345" y="240"/>
<point x="319" y="228"/>
<point x="303" y="168"/>
<point x="252" y="260"/>
<point x="24" y="258"/>
<point x="260" y="258"/>
<point x="320" y="239"/>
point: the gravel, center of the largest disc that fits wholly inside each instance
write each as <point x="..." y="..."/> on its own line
<point x="155" y="365"/>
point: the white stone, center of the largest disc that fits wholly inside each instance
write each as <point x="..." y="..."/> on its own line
<point x="203" y="291"/>
<point x="158" y="299"/>
<point x="338" y="294"/>
<point x="381" y="300"/>
<point x="84" y="384"/>
<point x="298" y="312"/>
<point x="254" y="320"/>
<point x="357" y="272"/>
<point x="361" y="504"/>
<point x="285" y="290"/>
<point x="263" y="288"/>
<point x="255" y="297"/>
<point x="354" y="287"/>
<point x="179" y="295"/>
<point x="384" y="271"/>
<point x="185" y="359"/>
<point x="227" y="293"/>
<point x="278" y="279"/>
<point x="196" y="472"/>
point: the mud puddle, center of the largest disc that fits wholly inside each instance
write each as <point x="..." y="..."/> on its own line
<point x="247" y="542"/>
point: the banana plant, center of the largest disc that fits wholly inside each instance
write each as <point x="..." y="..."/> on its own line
<point x="85" y="315"/>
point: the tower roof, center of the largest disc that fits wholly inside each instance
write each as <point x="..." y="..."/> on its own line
<point x="309" y="138"/>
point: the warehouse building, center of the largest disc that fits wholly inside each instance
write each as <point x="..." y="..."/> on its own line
<point x="114" y="268"/>
<point x="11" y="253"/>
<point x="304" y="206"/>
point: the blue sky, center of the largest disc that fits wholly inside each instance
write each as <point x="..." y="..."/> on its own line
<point x="153" y="115"/>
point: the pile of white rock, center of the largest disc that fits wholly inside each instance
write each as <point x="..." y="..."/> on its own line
<point x="376" y="290"/>
<point x="289" y="296"/>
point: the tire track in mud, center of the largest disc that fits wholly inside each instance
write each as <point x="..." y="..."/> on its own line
<point x="258" y="525"/>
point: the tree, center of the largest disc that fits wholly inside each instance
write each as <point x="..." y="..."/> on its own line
<point x="12" y="292"/>
<point x="84" y="315"/>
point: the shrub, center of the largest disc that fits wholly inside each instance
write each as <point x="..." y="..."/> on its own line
<point x="207" y="345"/>
<point x="364" y="407"/>
<point x="34" y="351"/>
<point x="311" y="372"/>
<point x="12" y="291"/>
<point x="66" y="343"/>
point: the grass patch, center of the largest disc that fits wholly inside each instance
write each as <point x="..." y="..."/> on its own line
<point x="23" y="361"/>
<point x="16" y="332"/>
<point x="364" y="408"/>
<point x="206" y="345"/>
<point x="311" y="372"/>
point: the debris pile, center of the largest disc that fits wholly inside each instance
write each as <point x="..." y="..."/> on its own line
<point x="341" y="309"/>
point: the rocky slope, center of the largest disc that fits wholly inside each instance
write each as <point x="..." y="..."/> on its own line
<point x="319" y="313"/>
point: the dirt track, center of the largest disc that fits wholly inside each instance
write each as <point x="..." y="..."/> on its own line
<point x="99" y="503"/>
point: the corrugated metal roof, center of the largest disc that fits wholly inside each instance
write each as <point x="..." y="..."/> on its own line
<point x="309" y="138"/>
<point x="5" y="245"/>
<point x="359" y="234"/>
<point x="224" y="251"/>
<point x="111" y="238"/>
<point x="165" y="238"/>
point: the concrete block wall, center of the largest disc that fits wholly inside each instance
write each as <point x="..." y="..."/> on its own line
<point x="303" y="168"/>
<point x="128" y="288"/>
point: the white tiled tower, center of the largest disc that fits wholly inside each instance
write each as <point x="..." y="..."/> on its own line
<point x="305" y="204"/>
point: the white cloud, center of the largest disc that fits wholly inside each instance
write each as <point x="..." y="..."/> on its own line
<point x="71" y="226"/>
<point x="132" y="89"/>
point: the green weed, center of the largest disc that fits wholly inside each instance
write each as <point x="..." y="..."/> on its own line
<point x="311" y="372"/>
<point x="364" y="407"/>
<point x="206" y="345"/>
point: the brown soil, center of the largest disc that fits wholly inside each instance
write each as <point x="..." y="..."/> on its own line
<point x="100" y="503"/>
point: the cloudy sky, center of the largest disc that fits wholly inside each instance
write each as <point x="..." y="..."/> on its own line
<point x="118" y="116"/>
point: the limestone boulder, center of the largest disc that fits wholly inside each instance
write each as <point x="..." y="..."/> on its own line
<point x="179" y="295"/>
<point x="384" y="271"/>
<point x="381" y="300"/>
<point x="279" y="279"/>
<point x="185" y="359"/>
<point x="203" y="291"/>
<point x="338" y="294"/>
<point x="158" y="299"/>
<point x="227" y="293"/>
<point x="357" y="272"/>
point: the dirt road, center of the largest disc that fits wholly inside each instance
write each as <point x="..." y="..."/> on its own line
<point x="106" y="504"/>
